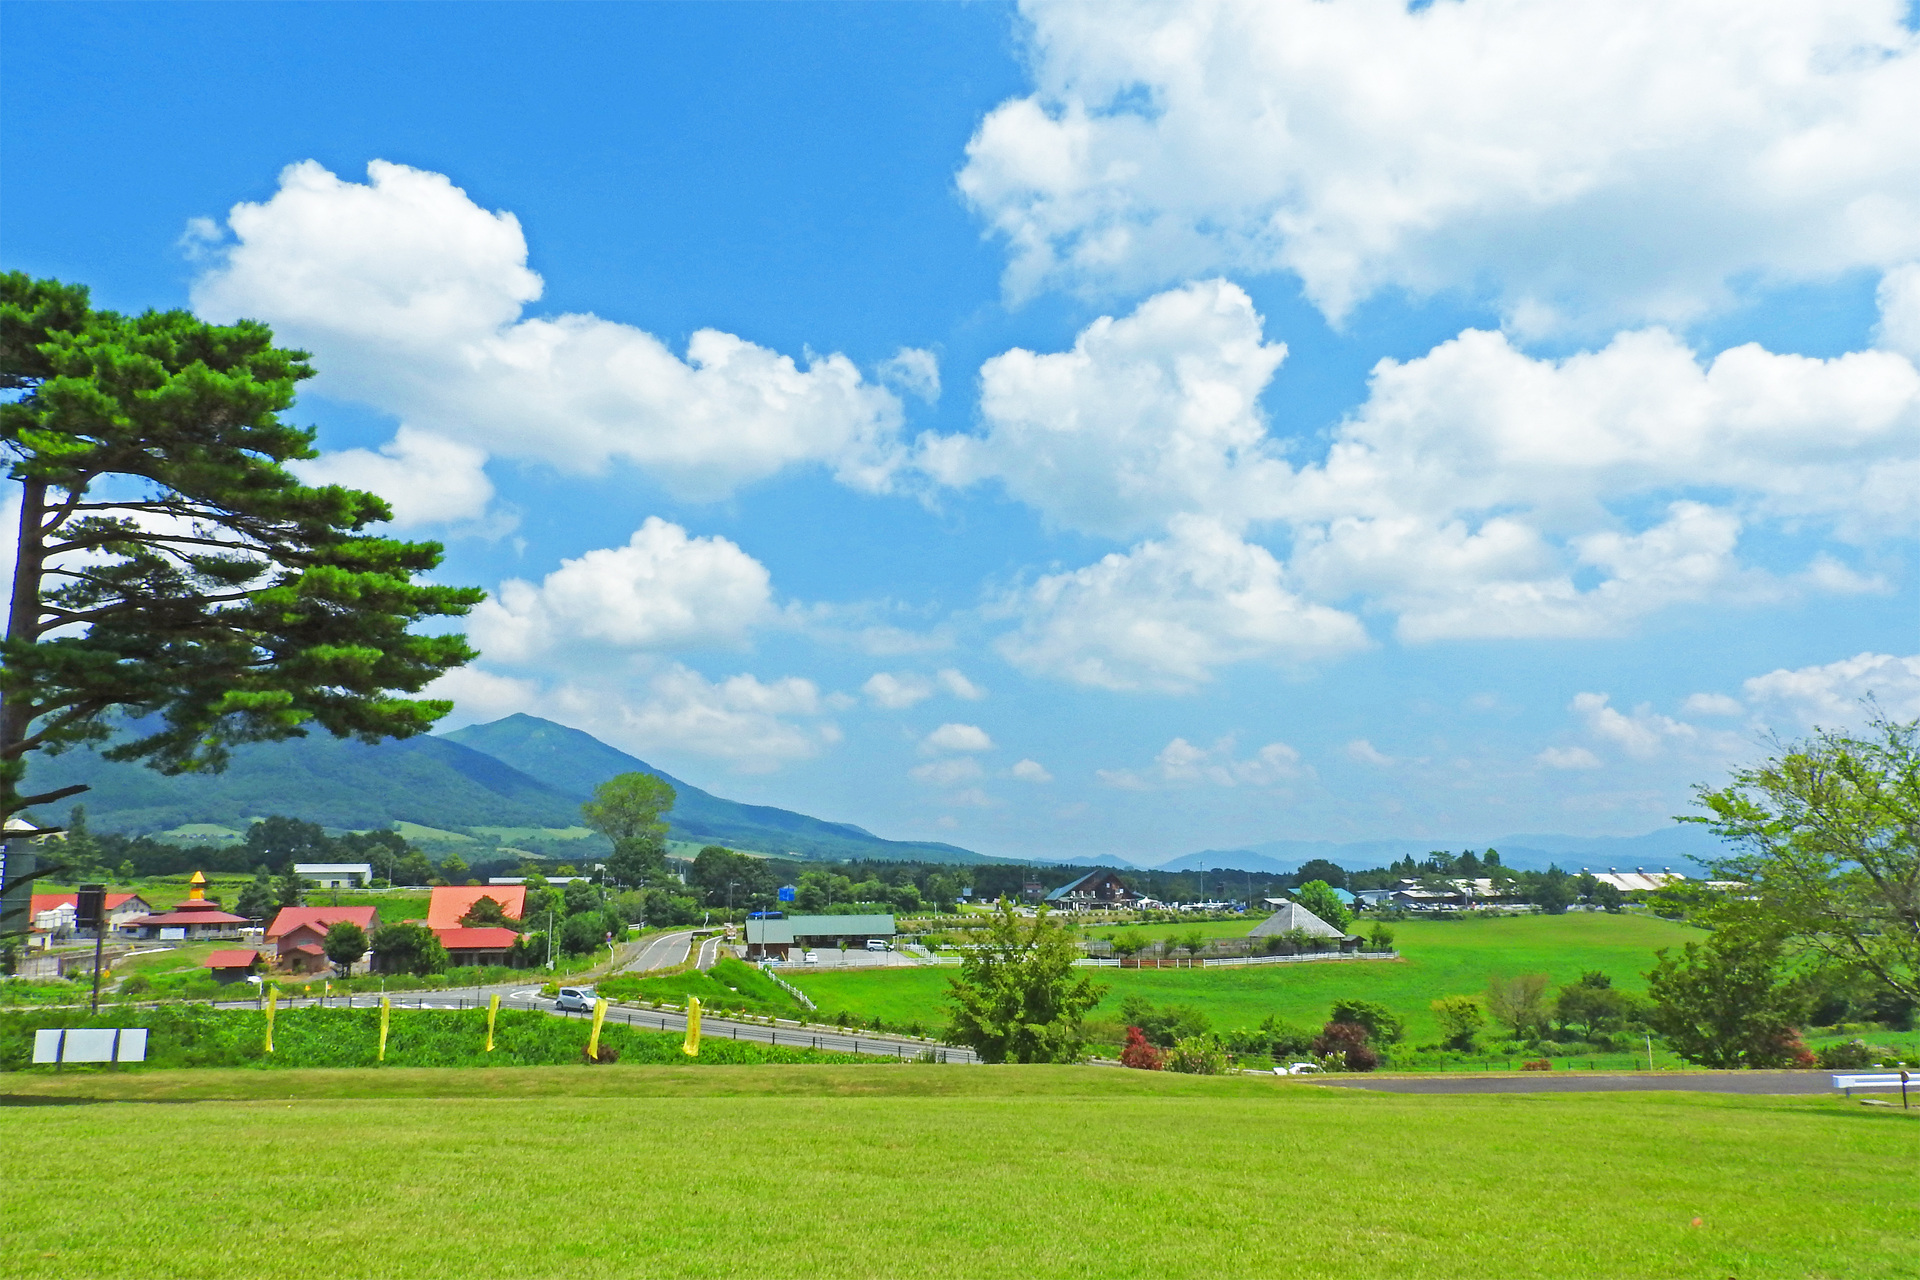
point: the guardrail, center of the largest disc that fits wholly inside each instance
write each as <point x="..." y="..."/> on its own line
<point x="1880" y="1080"/>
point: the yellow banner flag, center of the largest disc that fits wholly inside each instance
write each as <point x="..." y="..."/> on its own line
<point x="692" y="1047"/>
<point x="273" y="1002"/>
<point x="386" y="1008"/>
<point x="493" y="1011"/>
<point x="599" y="1016"/>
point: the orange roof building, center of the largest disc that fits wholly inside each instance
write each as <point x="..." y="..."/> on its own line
<point x="450" y="902"/>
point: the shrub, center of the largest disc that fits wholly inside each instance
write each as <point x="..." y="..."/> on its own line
<point x="1537" y="1064"/>
<point x="1848" y="1055"/>
<point x="1201" y="1055"/>
<point x="1140" y="1055"/>
<point x="1347" y="1042"/>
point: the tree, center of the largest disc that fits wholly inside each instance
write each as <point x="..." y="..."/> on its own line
<point x="487" y="913"/>
<point x="1552" y="891"/>
<point x="1201" y="1055"/>
<point x="1723" y="1003"/>
<point x="281" y="841"/>
<point x="1382" y="1026"/>
<point x="1592" y="1006"/>
<point x="257" y="901"/>
<point x="290" y="890"/>
<point x="1317" y="896"/>
<point x="1519" y="1003"/>
<point x="629" y="806"/>
<point x="1129" y="944"/>
<point x="344" y="944"/>
<point x="409" y="948"/>
<point x="1347" y="1041"/>
<point x="1163" y="1026"/>
<point x="1017" y="998"/>
<point x="1828" y="840"/>
<point x="1140" y="1055"/>
<point x="1460" y="1020"/>
<point x="453" y="868"/>
<point x="1331" y="873"/>
<point x="1380" y="938"/>
<point x="583" y="933"/>
<point x="170" y="575"/>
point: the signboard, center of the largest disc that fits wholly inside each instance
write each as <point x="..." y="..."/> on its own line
<point x="787" y="893"/>
<point x="90" y="905"/>
<point x="108" y="1044"/>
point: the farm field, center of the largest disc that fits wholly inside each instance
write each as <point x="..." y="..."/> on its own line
<point x="1439" y="959"/>
<point x="1408" y="1186"/>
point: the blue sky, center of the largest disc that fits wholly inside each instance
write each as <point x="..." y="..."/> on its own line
<point x="881" y="411"/>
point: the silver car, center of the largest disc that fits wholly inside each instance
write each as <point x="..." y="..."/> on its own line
<point x="575" y="1000"/>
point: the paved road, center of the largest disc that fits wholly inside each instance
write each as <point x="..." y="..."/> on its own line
<point x="709" y="953"/>
<point x="1543" y="1082"/>
<point x="662" y="952"/>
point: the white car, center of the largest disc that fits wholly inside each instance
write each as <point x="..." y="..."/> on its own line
<point x="813" y="957"/>
<point x="1297" y="1069"/>
<point x="575" y="1000"/>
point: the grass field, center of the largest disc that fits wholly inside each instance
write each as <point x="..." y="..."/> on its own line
<point x="939" y="1171"/>
<point x="1439" y="959"/>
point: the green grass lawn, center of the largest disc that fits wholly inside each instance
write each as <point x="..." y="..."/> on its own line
<point x="940" y="1171"/>
<point x="1439" y="959"/>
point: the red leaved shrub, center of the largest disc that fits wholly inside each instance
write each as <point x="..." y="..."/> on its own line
<point x="1140" y="1054"/>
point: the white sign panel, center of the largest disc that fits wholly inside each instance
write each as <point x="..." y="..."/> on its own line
<point x="46" y="1046"/>
<point x="133" y="1045"/>
<point x="89" y="1046"/>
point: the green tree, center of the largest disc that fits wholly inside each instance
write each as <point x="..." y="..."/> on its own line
<point x="1724" y="1002"/>
<point x="1591" y="1006"/>
<point x="1828" y="840"/>
<point x="169" y="572"/>
<point x="583" y="933"/>
<point x="257" y="901"/>
<point x="290" y="890"/>
<point x="628" y="806"/>
<point x="281" y="841"/>
<point x="409" y="948"/>
<point x="1017" y="998"/>
<point x="1519" y="1003"/>
<point x="1383" y="1027"/>
<point x="453" y="869"/>
<point x="344" y="944"/>
<point x="1318" y="897"/>
<point x="1460" y="1020"/>
<point x="487" y="913"/>
<point x="1201" y="1055"/>
<point x="1129" y="944"/>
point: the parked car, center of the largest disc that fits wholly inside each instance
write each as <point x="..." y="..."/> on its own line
<point x="1297" y="1069"/>
<point x="877" y="944"/>
<point x="575" y="1000"/>
<point x="813" y="957"/>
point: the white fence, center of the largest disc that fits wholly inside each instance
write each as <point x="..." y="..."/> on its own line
<point x="1304" y="959"/>
<point x="789" y="988"/>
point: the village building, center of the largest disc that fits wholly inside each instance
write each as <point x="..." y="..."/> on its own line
<point x="298" y="935"/>
<point x="780" y="938"/>
<point x="233" y="966"/>
<point x="336" y="875"/>
<point x="1637" y="880"/>
<point x="1294" y="916"/>
<point x="450" y="902"/>
<point x="478" y="946"/>
<point x="199" y="917"/>
<point x="56" y="913"/>
<point x="1096" y="889"/>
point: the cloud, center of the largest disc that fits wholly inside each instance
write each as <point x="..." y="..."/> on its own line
<point x="662" y="591"/>
<point x="1712" y="704"/>
<point x="1643" y="734"/>
<point x="425" y="478"/>
<point x="1030" y="771"/>
<point x="914" y="371"/>
<point x="944" y="773"/>
<point x="897" y="692"/>
<point x="958" y="685"/>
<point x="1147" y="417"/>
<point x="1364" y="752"/>
<point x="1584" y="162"/>
<point x="1830" y="696"/>
<point x="411" y="297"/>
<point x="1568" y="758"/>
<point x="1165" y="614"/>
<point x="958" y="737"/>
<point x="1180" y="763"/>
<point x="1899" y="297"/>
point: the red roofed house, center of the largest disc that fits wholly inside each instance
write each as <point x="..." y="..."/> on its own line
<point x="299" y="932"/>
<point x="450" y="902"/>
<point x="232" y="966"/>
<point x="54" y="912"/>
<point x="196" y="918"/>
<point x="478" y="946"/>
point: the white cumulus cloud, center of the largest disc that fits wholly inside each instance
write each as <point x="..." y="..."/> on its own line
<point x="1568" y="758"/>
<point x="1165" y="614"/>
<point x="946" y="772"/>
<point x="661" y="591"/>
<point x="412" y="296"/>
<point x="1831" y="695"/>
<point x="1362" y="751"/>
<point x="1585" y="161"/>
<point x="425" y="478"/>
<point x="1181" y="763"/>
<point x="1642" y="733"/>
<point x="1030" y="771"/>
<point x="958" y="737"/>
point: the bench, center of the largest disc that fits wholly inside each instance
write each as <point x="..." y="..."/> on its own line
<point x="102" y="1044"/>
<point x="1883" y="1080"/>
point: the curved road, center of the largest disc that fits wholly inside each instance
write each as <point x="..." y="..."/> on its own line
<point x="662" y="952"/>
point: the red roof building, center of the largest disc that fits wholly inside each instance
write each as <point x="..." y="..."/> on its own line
<point x="55" y="912"/>
<point x="478" y="946"/>
<point x="450" y="902"/>
<point x="295" y="928"/>
<point x="232" y="966"/>
<point x="196" y="918"/>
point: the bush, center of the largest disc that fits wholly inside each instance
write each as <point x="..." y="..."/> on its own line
<point x="1201" y="1055"/>
<point x="1848" y="1055"/>
<point x="1347" y="1042"/>
<point x="1139" y="1054"/>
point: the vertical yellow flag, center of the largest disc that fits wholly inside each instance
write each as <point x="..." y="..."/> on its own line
<point x="599" y="1016"/>
<point x="692" y="1047"/>
<point x="273" y="1002"/>
<point x="493" y="1011"/>
<point x="386" y="1007"/>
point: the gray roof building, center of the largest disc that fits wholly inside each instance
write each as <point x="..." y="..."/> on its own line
<point x="1294" y="916"/>
<point x="812" y="931"/>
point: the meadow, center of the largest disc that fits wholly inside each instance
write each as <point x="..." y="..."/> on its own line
<point x="1439" y="958"/>
<point x="917" y="1170"/>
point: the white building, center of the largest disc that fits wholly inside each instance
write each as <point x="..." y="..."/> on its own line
<point x="335" y="875"/>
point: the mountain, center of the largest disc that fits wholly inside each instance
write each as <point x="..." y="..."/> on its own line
<point x="1682" y="847"/>
<point x="572" y="763"/>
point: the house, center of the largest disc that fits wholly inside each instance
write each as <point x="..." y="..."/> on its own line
<point x="1294" y="916"/>
<point x="296" y="929"/>
<point x="54" y="912"/>
<point x="778" y="938"/>
<point x="451" y="901"/>
<point x="336" y="875"/>
<point x="481" y="946"/>
<point x="233" y="966"/>
<point x="197" y="918"/>
<point x="1102" y="888"/>
<point x="1637" y="880"/>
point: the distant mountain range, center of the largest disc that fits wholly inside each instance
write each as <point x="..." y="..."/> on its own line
<point x="518" y="772"/>
<point x="1683" y="847"/>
